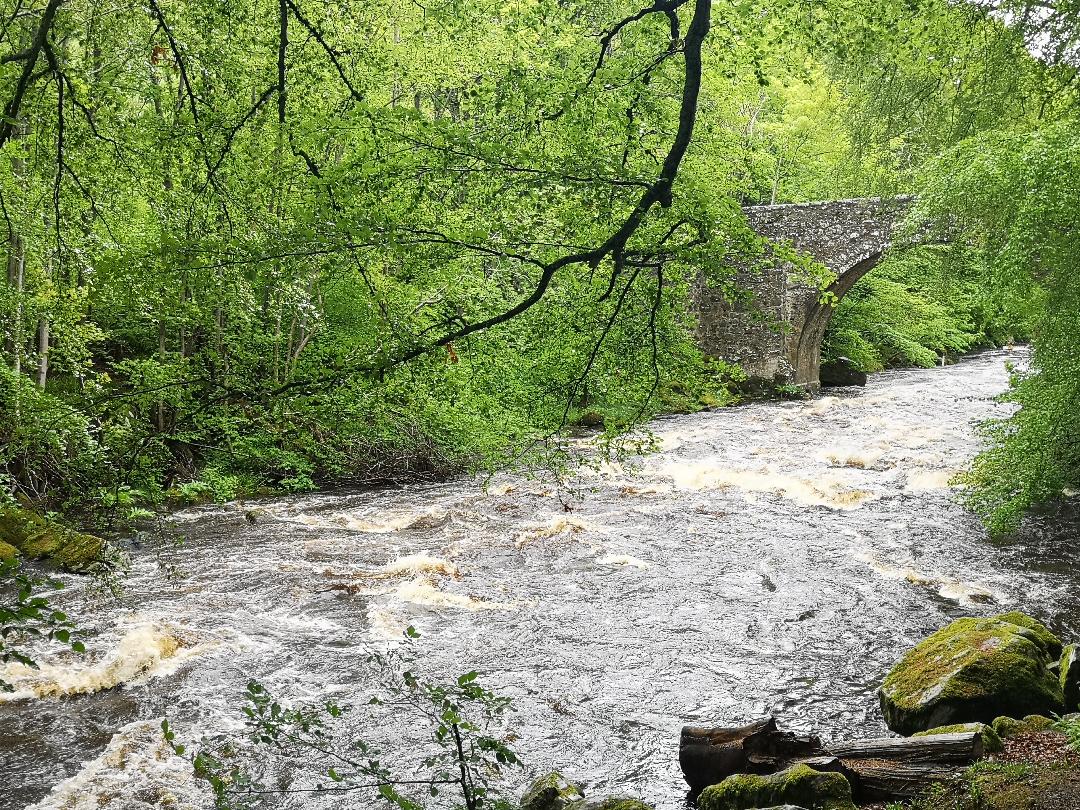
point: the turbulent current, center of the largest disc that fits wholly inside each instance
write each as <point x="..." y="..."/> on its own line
<point x="772" y="558"/>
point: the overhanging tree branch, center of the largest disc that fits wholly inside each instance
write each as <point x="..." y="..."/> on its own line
<point x="29" y="58"/>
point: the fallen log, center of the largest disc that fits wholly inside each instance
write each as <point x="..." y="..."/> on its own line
<point x="964" y="747"/>
<point x="886" y="780"/>
<point x="884" y="768"/>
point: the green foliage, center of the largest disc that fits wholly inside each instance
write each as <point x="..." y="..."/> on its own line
<point x="1070" y="727"/>
<point x="465" y="751"/>
<point x="236" y="297"/>
<point x="1015" y="195"/>
<point x="923" y="304"/>
<point x="25" y="614"/>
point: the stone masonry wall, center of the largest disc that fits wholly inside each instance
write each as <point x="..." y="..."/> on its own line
<point x="776" y="336"/>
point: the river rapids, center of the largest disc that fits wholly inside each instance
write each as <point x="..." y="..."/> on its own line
<point x="772" y="558"/>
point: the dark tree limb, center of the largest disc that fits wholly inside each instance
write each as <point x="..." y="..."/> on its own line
<point x="330" y="52"/>
<point x="29" y="57"/>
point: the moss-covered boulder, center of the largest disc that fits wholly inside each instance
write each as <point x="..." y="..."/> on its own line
<point x="1047" y="640"/>
<point x="550" y="792"/>
<point x="972" y="671"/>
<point x="1069" y="677"/>
<point x="991" y="741"/>
<point x="8" y="552"/>
<point x="1010" y="727"/>
<point x="611" y="803"/>
<point x="800" y="785"/>
<point x="35" y="538"/>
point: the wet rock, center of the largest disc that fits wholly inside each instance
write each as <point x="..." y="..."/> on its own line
<point x="802" y="784"/>
<point x="35" y="537"/>
<point x="1069" y="676"/>
<point x="841" y="371"/>
<point x="974" y="670"/>
<point x="990" y="739"/>
<point x="590" y="419"/>
<point x="550" y="792"/>
<point x="1010" y="727"/>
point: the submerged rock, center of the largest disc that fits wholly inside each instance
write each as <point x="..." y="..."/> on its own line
<point x="974" y="670"/>
<point x="841" y="371"/>
<point x="990" y="739"/>
<point x="802" y="784"/>
<point x="1069" y="677"/>
<point x="550" y="792"/>
<point x="35" y="538"/>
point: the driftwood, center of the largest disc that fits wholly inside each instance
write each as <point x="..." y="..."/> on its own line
<point x="885" y="780"/>
<point x="883" y="768"/>
<point x="964" y="747"/>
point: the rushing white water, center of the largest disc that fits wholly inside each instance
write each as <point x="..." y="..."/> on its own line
<point x="771" y="558"/>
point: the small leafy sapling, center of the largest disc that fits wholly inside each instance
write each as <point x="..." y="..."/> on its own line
<point x="26" y="613"/>
<point x="327" y="750"/>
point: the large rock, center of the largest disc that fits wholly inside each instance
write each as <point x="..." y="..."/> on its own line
<point x="800" y="785"/>
<point x="972" y="671"/>
<point x="550" y="792"/>
<point x="1069" y="677"/>
<point x="839" y="372"/>
<point x="35" y="537"/>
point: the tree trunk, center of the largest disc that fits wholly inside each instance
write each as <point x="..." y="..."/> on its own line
<point x="43" y="352"/>
<point x="884" y="780"/>
<point x="16" y="276"/>
<point x="964" y="747"/>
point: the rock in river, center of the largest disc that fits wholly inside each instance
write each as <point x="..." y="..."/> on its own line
<point x="35" y="537"/>
<point x="550" y="792"/>
<point x="802" y="784"/>
<point x="972" y="671"/>
<point x="840" y="372"/>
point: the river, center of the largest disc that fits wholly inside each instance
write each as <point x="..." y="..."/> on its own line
<point x="776" y="557"/>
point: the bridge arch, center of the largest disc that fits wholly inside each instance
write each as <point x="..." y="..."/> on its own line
<point x="776" y="334"/>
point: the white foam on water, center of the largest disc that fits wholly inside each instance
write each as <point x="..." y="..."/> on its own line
<point x="137" y="766"/>
<point x="859" y="458"/>
<point x="423" y="591"/>
<point x="421" y="563"/>
<point x="385" y="625"/>
<point x="947" y="587"/>
<point x="559" y="526"/>
<point x="148" y="650"/>
<point x="397" y="523"/>
<point x="926" y="480"/>
<point x="819" y="492"/>
<point x="367" y="523"/>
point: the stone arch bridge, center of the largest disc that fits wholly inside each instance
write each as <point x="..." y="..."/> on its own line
<point x="775" y="333"/>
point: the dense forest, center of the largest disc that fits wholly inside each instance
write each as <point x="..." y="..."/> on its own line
<point x="261" y="247"/>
